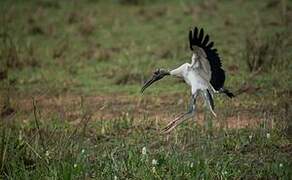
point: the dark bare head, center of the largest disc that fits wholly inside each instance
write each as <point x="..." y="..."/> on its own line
<point x="157" y="75"/>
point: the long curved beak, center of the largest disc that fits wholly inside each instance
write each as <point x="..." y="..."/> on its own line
<point x="148" y="83"/>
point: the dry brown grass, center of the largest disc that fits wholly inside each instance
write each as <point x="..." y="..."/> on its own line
<point x="68" y="108"/>
<point x="262" y="53"/>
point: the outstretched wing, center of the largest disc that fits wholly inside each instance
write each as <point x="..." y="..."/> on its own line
<point x="197" y="38"/>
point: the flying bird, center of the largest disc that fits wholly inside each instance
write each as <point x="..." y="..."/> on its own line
<point x="204" y="75"/>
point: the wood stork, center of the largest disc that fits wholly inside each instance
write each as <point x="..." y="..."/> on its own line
<point x="204" y="75"/>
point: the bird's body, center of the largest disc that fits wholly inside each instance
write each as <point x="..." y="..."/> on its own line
<point x="204" y="75"/>
<point x="191" y="75"/>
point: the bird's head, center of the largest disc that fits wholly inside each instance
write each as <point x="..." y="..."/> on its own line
<point x="157" y="75"/>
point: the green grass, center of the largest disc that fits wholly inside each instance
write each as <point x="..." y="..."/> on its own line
<point x="84" y="63"/>
<point x="104" y="149"/>
<point x="141" y="39"/>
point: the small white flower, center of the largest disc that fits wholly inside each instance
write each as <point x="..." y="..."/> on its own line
<point x="47" y="153"/>
<point x="20" y="136"/>
<point x="102" y="130"/>
<point x="225" y="172"/>
<point x="82" y="151"/>
<point x="144" y="151"/>
<point x="250" y="137"/>
<point x="268" y="135"/>
<point x="154" y="162"/>
<point x="115" y="178"/>
<point x="75" y="165"/>
<point x="192" y="165"/>
<point x="281" y="165"/>
<point x="153" y="169"/>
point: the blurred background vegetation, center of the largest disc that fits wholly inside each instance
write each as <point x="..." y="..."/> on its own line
<point x="71" y="73"/>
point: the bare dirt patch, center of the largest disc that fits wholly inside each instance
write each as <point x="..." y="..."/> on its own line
<point x="72" y="108"/>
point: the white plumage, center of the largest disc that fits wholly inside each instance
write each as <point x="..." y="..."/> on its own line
<point x="204" y="75"/>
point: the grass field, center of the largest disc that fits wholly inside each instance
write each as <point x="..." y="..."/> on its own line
<point x="71" y="73"/>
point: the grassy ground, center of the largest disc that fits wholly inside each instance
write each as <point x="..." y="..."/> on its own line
<point x="71" y="73"/>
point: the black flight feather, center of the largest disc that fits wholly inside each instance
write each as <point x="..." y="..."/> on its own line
<point x="196" y="38"/>
<point x="205" y="40"/>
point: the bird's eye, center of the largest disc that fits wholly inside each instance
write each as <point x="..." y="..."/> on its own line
<point x="156" y="72"/>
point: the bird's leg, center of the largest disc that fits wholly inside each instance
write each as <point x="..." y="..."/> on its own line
<point x="209" y="101"/>
<point x="214" y="90"/>
<point x="175" y="122"/>
<point x="170" y="126"/>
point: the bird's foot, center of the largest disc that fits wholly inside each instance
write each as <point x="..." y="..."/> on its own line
<point x="215" y="115"/>
<point x="170" y="126"/>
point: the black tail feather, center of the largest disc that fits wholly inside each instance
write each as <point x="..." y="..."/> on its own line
<point x="227" y="92"/>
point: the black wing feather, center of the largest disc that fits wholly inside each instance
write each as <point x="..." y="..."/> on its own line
<point x="191" y="37"/>
<point x="196" y="38"/>
<point x="195" y="32"/>
<point x="210" y="45"/>
<point x="205" y="40"/>
<point x="201" y="35"/>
